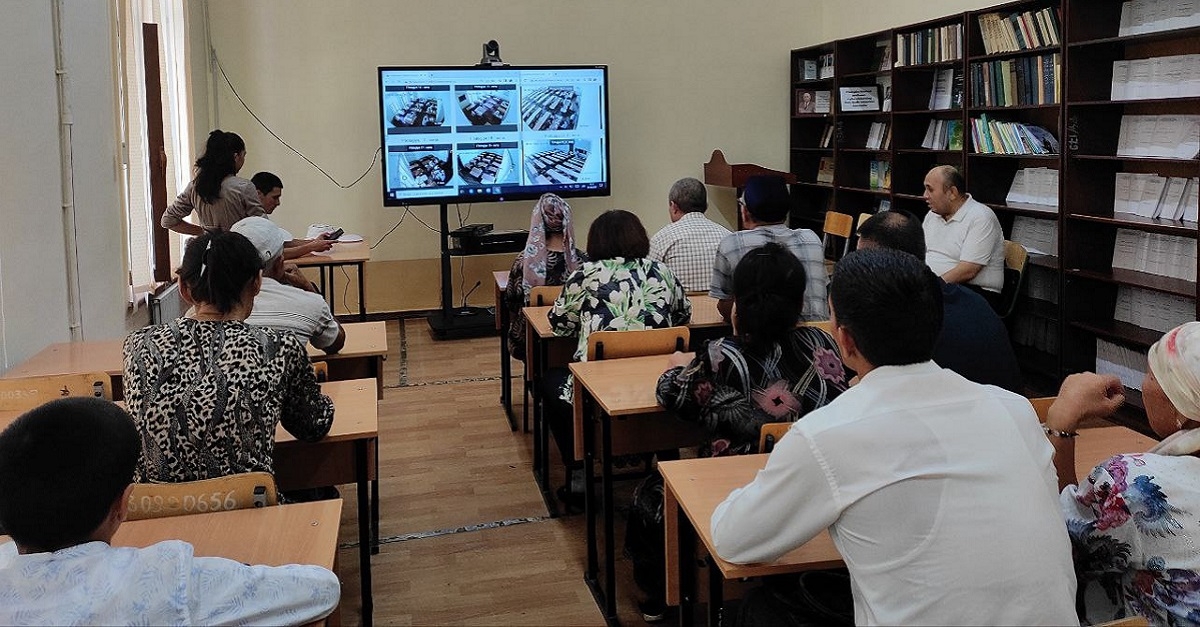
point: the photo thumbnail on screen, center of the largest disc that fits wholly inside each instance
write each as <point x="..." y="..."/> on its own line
<point x="421" y="166"/>
<point x="551" y="109"/>
<point x="486" y="167"/>
<point x="409" y="110"/>
<point x="488" y="107"/>
<point x="557" y="161"/>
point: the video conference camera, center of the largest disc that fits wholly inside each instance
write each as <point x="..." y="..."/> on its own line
<point x="491" y="54"/>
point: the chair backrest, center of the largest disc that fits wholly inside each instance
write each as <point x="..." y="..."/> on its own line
<point x="1016" y="258"/>
<point x="770" y="435"/>
<point x="837" y="225"/>
<point x="321" y="371"/>
<point x="824" y="325"/>
<point x="544" y="295"/>
<point x="1042" y="406"/>
<point x="242" y="491"/>
<point x="29" y="392"/>
<point x="862" y="217"/>
<point x="618" y="344"/>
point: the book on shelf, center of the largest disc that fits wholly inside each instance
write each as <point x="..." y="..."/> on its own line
<point x="1152" y="310"/>
<point x="1139" y="17"/>
<point x="827" y="136"/>
<point x="930" y="45"/>
<point x="990" y="136"/>
<point x="885" y="88"/>
<point x="826" y="70"/>
<point x="1159" y="136"/>
<point x="1155" y="253"/>
<point x="1019" y="31"/>
<point x="1034" y="186"/>
<point x="878" y="132"/>
<point x="880" y="174"/>
<point x="821" y="99"/>
<point x="881" y="60"/>
<point x="1038" y="236"/>
<point x="1035" y="333"/>
<point x="943" y="135"/>
<point x="1125" y="364"/>
<point x="864" y="98"/>
<point x="825" y="170"/>
<point x="1176" y="76"/>
<point x="808" y="69"/>
<point x="1152" y="196"/>
<point x="1029" y="80"/>
<point x="941" y="93"/>
<point x="884" y="204"/>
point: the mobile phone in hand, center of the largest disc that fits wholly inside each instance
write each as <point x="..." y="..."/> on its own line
<point x="334" y="235"/>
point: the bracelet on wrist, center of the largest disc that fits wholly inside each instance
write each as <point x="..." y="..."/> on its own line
<point x="1058" y="434"/>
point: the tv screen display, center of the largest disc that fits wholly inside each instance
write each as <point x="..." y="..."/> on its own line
<point x="484" y="134"/>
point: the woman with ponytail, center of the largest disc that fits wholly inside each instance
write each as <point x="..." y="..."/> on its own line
<point x="770" y="370"/>
<point x="206" y="391"/>
<point x="217" y="195"/>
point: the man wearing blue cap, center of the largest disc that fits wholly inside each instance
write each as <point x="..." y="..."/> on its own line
<point x="764" y="208"/>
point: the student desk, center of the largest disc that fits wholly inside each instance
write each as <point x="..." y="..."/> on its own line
<point x="349" y="453"/>
<point x="501" y="279"/>
<point x="618" y="397"/>
<point x="694" y="487"/>
<point x="342" y="254"/>
<point x="361" y="357"/>
<point x="73" y="358"/>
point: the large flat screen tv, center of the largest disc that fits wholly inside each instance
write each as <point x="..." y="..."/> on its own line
<point x="486" y="134"/>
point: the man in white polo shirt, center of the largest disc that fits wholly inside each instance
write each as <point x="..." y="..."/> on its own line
<point x="281" y="306"/>
<point x="964" y="241"/>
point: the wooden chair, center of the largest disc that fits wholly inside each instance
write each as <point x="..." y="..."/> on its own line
<point x="620" y="344"/>
<point x="862" y="217"/>
<point x="1016" y="258"/>
<point x="837" y="225"/>
<point x="770" y="435"/>
<point x="242" y="491"/>
<point x="321" y="371"/>
<point x="824" y="325"/>
<point x="544" y="295"/>
<point x="1042" y="406"/>
<point x="26" y="393"/>
<point x="1128" y="621"/>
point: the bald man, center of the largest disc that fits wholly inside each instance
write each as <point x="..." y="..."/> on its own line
<point x="964" y="241"/>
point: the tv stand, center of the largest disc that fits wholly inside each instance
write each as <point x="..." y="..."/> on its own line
<point x="460" y="322"/>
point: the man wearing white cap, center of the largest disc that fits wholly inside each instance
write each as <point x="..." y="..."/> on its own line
<point x="283" y="306"/>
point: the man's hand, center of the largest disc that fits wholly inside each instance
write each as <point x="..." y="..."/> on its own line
<point x="293" y="277"/>
<point x="1084" y="395"/>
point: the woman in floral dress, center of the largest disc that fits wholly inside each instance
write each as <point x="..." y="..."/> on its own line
<point x="1135" y="520"/>
<point x="618" y="289"/>
<point x="770" y="370"/>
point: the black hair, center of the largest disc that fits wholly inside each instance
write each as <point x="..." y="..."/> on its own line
<point x="265" y="182"/>
<point x="766" y="198"/>
<point x="62" y="466"/>
<point x="217" y="163"/>
<point x="897" y="230"/>
<point x="768" y="288"/>
<point x="890" y="303"/>
<point x="951" y="177"/>
<point x="617" y="233"/>
<point x="217" y="266"/>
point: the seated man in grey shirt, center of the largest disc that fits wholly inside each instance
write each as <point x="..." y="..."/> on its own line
<point x="279" y="304"/>
<point x="764" y="207"/>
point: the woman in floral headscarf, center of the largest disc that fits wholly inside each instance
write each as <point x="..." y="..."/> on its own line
<point x="549" y="258"/>
<point x="770" y="370"/>
<point x="1135" y="521"/>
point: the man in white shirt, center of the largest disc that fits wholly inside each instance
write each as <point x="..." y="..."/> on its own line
<point x="688" y="244"/>
<point x="285" y="302"/>
<point x="65" y="473"/>
<point x="939" y="493"/>
<point x="270" y="194"/>
<point x="964" y="241"/>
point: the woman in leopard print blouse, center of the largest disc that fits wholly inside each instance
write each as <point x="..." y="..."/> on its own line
<point x="207" y="390"/>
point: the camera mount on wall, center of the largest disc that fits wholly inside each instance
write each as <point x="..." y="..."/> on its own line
<point x="491" y="54"/>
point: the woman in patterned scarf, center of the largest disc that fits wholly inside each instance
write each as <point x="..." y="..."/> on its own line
<point x="549" y="258"/>
<point x="1135" y="521"/>
<point x="770" y="370"/>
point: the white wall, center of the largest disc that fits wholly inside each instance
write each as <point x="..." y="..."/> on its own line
<point x="33" y="300"/>
<point x="687" y="76"/>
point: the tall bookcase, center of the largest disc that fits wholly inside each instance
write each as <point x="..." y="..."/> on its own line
<point x="1061" y="80"/>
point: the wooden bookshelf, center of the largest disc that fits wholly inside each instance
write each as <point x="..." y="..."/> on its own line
<point x="1074" y="104"/>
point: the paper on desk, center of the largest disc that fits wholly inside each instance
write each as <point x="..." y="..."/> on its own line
<point x="317" y="230"/>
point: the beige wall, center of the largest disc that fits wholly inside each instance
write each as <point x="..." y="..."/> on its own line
<point x="847" y="18"/>
<point x="686" y="76"/>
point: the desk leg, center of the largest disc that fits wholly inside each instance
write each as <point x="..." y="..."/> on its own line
<point x="687" y="568"/>
<point x="362" y="294"/>
<point x="324" y="292"/>
<point x="610" y="551"/>
<point x="716" y="594"/>
<point x="364" y="532"/>
<point x="505" y="367"/>
<point x="375" y="505"/>
<point x="589" y="488"/>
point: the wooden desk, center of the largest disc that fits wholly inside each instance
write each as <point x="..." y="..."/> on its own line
<point x="500" y="278"/>
<point x="693" y="488"/>
<point x="617" y="395"/>
<point x="76" y="357"/>
<point x="705" y="314"/>
<point x="342" y="254"/>
<point x="361" y="357"/>
<point x="349" y="453"/>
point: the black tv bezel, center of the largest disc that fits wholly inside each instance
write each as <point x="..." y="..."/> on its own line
<point x="476" y="198"/>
